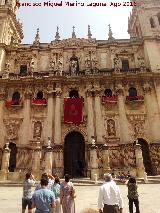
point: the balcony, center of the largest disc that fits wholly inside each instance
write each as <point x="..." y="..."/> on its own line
<point x="13" y="103"/>
<point x="109" y="99"/>
<point x="39" y="102"/>
<point x="132" y="99"/>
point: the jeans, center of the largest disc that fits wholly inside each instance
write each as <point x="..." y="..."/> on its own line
<point x="136" y="203"/>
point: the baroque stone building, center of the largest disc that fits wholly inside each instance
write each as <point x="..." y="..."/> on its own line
<point x="117" y="84"/>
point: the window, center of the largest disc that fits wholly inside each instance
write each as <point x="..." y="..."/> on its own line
<point x="73" y="94"/>
<point x="16" y="98"/>
<point x="132" y="91"/>
<point x="108" y="92"/>
<point x="23" y="70"/>
<point x="125" y="64"/>
<point x="39" y="95"/>
<point x="152" y="23"/>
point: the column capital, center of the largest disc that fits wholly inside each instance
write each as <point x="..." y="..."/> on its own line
<point x="27" y="92"/>
<point x="89" y="93"/>
<point x="119" y="89"/>
<point x="98" y="92"/>
<point x="58" y="92"/>
<point x="147" y="87"/>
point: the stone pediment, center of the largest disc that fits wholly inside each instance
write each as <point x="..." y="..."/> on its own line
<point x="74" y="43"/>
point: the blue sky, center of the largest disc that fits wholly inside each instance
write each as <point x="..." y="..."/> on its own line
<point x="47" y="18"/>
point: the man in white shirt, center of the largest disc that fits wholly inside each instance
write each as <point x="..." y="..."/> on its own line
<point x="109" y="198"/>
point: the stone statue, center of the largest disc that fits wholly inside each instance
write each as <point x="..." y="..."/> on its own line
<point x="37" y="130"/>
<point x="117" y="64"/>
<point x="111" y="128"/>
<point x="53" y="63"/>
<point x="7" y="67"/>
<point x="32" y="65"/>
<point x="93" y="141"/>
<point x="49" y="143"/>
<point x="73" y="67"/>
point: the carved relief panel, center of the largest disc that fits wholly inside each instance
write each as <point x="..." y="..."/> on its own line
<point x="12" y="126"/>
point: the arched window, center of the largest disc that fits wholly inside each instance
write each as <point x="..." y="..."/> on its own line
<point x="132" y="91"/>
<point x="158" y="16"/>
<point x="152" y="23"/>
<point x="23" y="70"/>
<point x="73" y="94"/>
<point x="39" y="95"/>
<point x="108" y="92"/>
<point x="16" y="97"/>
<point x="125" y="64"/>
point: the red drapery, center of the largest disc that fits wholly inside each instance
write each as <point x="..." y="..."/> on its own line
<point x="73" y="110"/>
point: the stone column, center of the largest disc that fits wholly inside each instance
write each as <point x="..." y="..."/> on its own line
<point x="57" y="120"/>
<point x="106" y="161"/>
<point x="26" y="117"/>
<point x="2" y="105"/>
<point x="100" y="132"/>
<point x="123" y="122"/>
<point x="139" y="161"/>
<point x="5" y="163"/>
<point x="36" y="162"/>
<point x="50" y="110"/>
<point x="90" y="116"/>
<point x="153" y="114"/>
<point x="2" y="59"/>
<point x="157" y="88"/>
<point x="48" y="160"/>
<point x="93" y="162"/>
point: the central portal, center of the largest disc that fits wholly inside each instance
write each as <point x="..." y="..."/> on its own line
<point x="74" y="155"/>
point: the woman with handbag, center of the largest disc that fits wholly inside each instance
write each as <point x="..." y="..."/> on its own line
<point x="67" y="195"/>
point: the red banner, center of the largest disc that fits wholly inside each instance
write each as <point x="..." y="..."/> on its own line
<point x="73" y="110"/>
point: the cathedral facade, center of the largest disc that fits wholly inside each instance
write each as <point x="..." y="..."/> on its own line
<point x="80" y="105"/>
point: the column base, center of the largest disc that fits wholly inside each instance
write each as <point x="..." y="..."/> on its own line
<point x="3" y="175"/>
<point x="93" y="172"/>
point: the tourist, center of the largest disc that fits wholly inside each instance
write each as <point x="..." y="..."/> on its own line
<point x="43" y="199"/>
<point x="56" y="190"/>
<point x="27" y="193"/>
<point x="50" y="179"/>
<point x="109" y="198"/>
<point x="67" y="195"/>
<point x="133" y="195"/>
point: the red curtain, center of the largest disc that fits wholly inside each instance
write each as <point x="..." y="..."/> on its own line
<point x="73" y="110"/>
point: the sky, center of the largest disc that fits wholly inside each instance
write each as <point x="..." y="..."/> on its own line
<point x="65" y="17"/>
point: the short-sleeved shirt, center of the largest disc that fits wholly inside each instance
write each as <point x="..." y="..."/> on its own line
<point x="27" y="188"/>
<point x="56" y="189"/>
<point x="43" y="199"/>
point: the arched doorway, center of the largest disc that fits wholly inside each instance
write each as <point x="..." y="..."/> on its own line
<point x="146" y="156"/>
<point x="74" y="154"/>
<point x="12" y="160"/>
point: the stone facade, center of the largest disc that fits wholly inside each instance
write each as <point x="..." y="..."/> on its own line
<point x="119" y="81"/>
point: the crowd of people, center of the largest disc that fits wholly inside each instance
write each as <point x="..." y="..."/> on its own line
<point x="51" y="196"/>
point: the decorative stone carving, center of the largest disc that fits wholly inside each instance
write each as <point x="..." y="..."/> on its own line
<point x="24" y="159"/>
<point x="12" y="127"/>
<point x="111" y="128"/>
<point x="137" y="121"/>
<point x="74" y="42"/>
<point x="37" y="130"/>
<point x="147" y="87"/>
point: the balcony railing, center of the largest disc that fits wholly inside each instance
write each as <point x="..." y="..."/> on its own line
<point x="109" y="99"/>
<point x="13" y="103"/>
<point x="42" y="102"/>
<point x="134" y="98"/>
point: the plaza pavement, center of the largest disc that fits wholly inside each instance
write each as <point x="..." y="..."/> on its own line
<point x="10" y="198"/>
